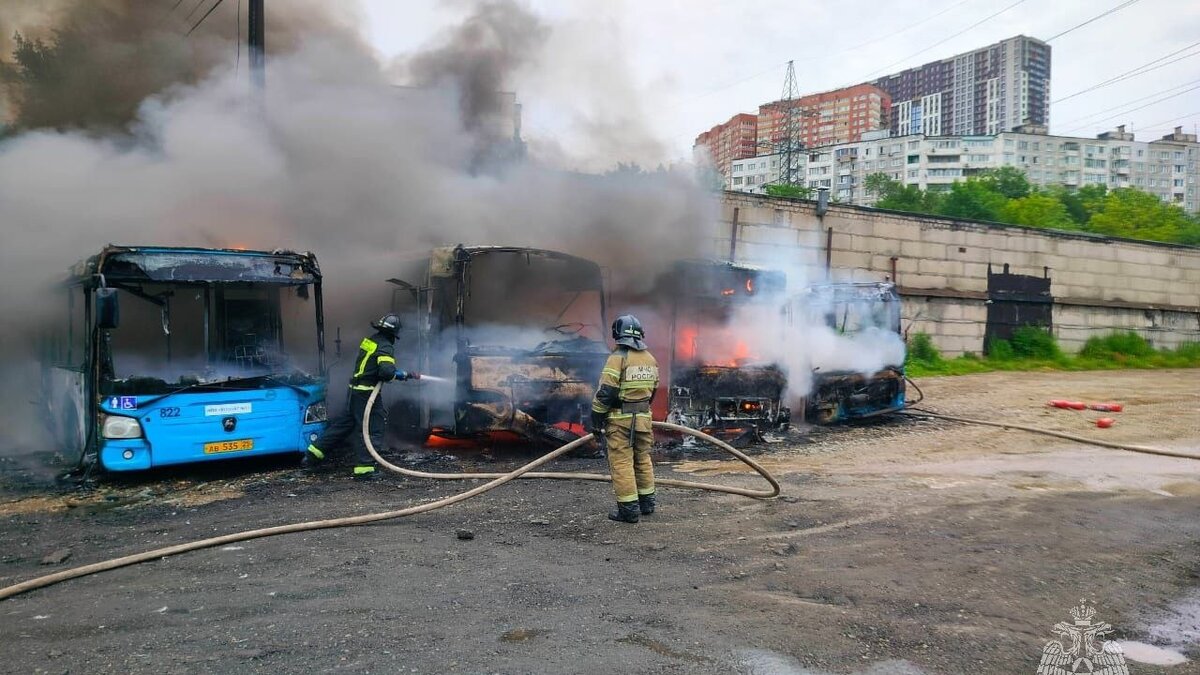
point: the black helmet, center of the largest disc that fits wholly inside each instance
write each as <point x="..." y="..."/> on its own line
<point x="627" y="330"/>
<point x="388" y="323"/>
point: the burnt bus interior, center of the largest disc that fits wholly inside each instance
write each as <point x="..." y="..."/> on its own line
<point x="519" y="334"/>
<point x="716" y="383"/>
<point x="215" y="320"/>
<point x="850" y="309"/>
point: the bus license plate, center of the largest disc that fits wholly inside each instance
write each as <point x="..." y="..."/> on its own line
<point x="228" y="446"/>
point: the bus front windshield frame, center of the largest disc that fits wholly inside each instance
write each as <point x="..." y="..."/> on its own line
<point x="197" y="334"/>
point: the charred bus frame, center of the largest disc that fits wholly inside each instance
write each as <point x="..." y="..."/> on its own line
<point x="487" y="319"/>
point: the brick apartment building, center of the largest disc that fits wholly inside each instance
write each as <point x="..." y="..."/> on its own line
<point x="839" y="116"/>
<point x="732" y="140"/>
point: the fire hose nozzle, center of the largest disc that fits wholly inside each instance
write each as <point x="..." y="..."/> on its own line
<point x="414" y="376"/>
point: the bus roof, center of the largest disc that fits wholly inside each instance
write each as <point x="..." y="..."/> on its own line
<point x="179" y="264"/>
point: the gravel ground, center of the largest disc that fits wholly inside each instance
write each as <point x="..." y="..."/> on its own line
<point x="900" y="546"/>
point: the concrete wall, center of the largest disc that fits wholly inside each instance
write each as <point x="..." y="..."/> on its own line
<point x="1099" y="284"/>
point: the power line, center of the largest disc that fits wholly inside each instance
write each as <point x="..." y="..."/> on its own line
<point x="1094" y="18"/>
<point x="194" y="8"/>
<point x="237" y="65"/>
<point x="1172" y="121"/>
<point x="1141" y="107"/>
<point x="1140" y="70"/>
<point x="1136" y="100"/>
<point x="210" y="11"/>
<point x="947" y="39"/>
<point x="888" y="36"/>
<point x="824" y="57"/>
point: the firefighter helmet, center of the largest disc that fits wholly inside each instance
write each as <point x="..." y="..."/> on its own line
<point x="388" y="323"/>
<point x="627" y="330"/>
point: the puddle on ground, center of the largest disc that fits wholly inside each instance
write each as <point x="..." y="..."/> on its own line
<point x="767" y="662"/>
<point x="1169" y="633"/>
<point x="1149" y="654"/>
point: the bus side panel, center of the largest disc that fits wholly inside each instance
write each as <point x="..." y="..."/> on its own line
<point x="65" y="408"/>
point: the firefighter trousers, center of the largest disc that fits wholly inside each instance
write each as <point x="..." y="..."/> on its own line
<point x="630" y="465"/>
<point x="350" y="423"/>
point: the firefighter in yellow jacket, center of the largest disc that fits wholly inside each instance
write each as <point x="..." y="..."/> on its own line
<point x="621" y="419"/>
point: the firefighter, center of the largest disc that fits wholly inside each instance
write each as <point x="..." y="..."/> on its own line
<point x="621" y="419"/>
<point x="376" y="362"/>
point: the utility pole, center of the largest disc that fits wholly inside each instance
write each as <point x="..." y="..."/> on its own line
<point x="256" y="39"/>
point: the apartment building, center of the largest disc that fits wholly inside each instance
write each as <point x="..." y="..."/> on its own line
<point x="734" y="139"/>
<point x="1168" y="167"/>
<point x="990" y="90"/>
<point x="838" y="116"/>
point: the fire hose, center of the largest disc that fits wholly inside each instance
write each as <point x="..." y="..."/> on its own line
<point x="498" y="479"/>
<point x="918" y="412"/>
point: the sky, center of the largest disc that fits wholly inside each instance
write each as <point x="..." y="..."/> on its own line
<point x="680" y="66"/>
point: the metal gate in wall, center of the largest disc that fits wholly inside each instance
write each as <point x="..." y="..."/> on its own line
<point x="1016" y="300"/>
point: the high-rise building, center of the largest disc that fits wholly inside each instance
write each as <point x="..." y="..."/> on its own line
<point x="732" y="140"/>
<point x="838" y="116"/>
<point x="986" y="91"/>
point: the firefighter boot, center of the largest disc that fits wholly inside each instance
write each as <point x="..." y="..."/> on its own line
<point x="646" y="503"/>
<point x="626" y="512"/>
<point x="312" y="459"/>
<point x="364" y="472"/>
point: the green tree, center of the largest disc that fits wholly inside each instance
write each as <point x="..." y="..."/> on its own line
<point x="974" y="200"/>
<point x="98" y="64"/>
<point x="792" y="191"/>
<point x="1038" y="210"/>
<point x="880" y="185"/>
<point x="910" y="198"/>
<point x="1081" y="204"/>
<point x="1006" y="180"/>
<point x="1140" y="215"/>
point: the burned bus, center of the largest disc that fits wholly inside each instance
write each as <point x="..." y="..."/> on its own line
<point x="518" y="334"/>
<point x="855" y="349"/>
<point x="175" y="355"/>
<point x="719" y="379"/>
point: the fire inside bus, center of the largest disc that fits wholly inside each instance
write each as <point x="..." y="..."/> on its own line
<point x="716" y="382"/>
<point x="175" y="355"/>
<point x="519" y="335"/>
<point x="863" y="374"/>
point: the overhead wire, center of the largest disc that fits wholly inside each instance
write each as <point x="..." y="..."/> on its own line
<point x="1129" y="102"/>
<point x="237" y="39"/>
<point x="822" y="57"/>
<point x="1141" y="107"/>
<point x="943" y="41"/>
<point x="194" y="8"/>
<point x="206" y="15"/>
<point x="1139" y="70"/>
<point x="1094" y="18"/>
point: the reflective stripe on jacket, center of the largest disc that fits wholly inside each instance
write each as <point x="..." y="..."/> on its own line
<point x="376" y="362"/>
<point x="627" y="384"/>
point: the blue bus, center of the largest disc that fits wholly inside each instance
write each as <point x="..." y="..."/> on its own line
<point x="170" y="355"/>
